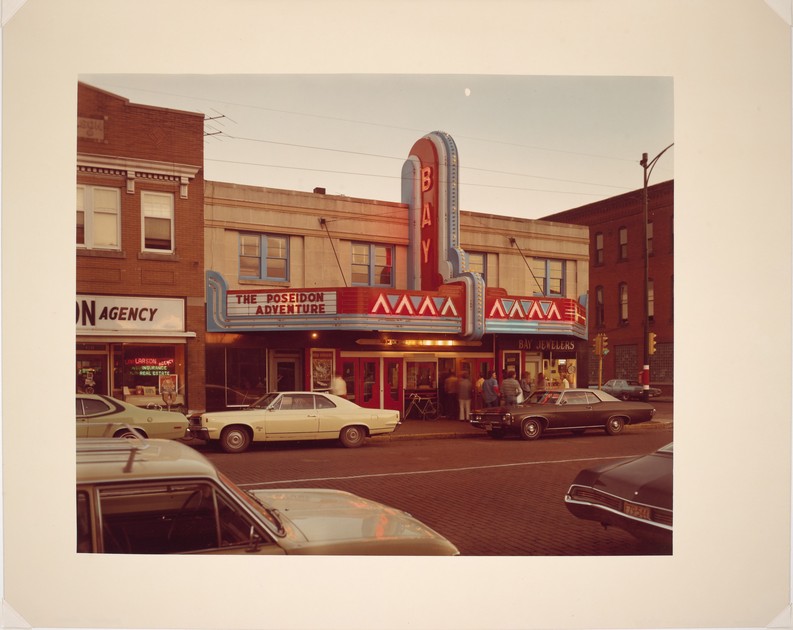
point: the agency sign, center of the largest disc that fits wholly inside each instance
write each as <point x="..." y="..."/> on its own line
<point x="105" y="313"/>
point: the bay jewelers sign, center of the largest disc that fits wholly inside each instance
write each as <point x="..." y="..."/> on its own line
<point x="105" y="313"/>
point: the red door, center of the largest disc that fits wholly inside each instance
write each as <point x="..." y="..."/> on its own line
<point x="393" y="392"/>
<point x="362" y="375"/>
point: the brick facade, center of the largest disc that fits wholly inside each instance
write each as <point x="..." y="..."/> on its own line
<point x="616" y="266"/>
<point x="135" y="149"/>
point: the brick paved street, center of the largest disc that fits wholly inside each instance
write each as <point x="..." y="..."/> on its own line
<point x="489" y="497"/>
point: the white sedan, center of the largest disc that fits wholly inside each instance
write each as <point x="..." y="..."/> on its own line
<point x="283" y="416"/>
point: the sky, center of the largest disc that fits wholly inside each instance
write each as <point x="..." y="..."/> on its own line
<point x="528" y="146"/>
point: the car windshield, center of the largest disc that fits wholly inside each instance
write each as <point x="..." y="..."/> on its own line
<point x="544" y="398"/>
<point x="265" y="401"/>
<point x="270" y="514"/>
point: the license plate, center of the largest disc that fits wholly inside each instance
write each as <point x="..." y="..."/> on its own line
<point x="637" y="511"/>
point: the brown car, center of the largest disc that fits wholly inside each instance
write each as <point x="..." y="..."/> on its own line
<point x="574" y="410"/>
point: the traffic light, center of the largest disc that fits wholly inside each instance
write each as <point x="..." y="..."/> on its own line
<point x="651" y="343"/>
<point x="604" y="344"/>
<point x="596" y="344"/>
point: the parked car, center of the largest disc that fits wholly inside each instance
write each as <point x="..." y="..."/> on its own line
<point x="282" y="416"/>
<point x="634" y="494"/>
<point x="222" y="398"/>
<point x="163" y="497"/>
<point x="99" y="415"/>
<point x="628" y="390"/>
<point x="551" y="410"/>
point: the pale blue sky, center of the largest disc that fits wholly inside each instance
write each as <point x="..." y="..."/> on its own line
<point x="528" y="145"/>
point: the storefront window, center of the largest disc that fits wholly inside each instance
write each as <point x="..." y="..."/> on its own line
<point x="150" y="369"/>
<point x="421" y="375"/>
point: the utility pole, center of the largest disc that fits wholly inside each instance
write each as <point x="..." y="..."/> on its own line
<point x="648" y="169"/>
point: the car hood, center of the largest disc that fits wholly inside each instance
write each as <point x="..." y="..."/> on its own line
<point x="646" y="479"/>
<point x="316" y="517"/>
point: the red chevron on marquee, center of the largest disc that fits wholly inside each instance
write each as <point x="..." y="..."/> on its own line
<point x="414" y="305"/>
<point x="561" y="309"/>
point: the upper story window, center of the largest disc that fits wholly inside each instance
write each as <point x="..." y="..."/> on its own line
<point x="477" y="261"/>
<point x="372" y="265"/>
<point x="600" y="309"/>
<point x="623" y="244"/>
<point x="98" y="217"/>
<point x="623" y="303"/>
<point x="599" y="248"/>
<point x="264" y="257"/>
<point x="157" y="211"/>
<point x="549" y="275"/>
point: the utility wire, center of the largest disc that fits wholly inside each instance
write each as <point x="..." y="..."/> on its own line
<point x="324" y="224"/>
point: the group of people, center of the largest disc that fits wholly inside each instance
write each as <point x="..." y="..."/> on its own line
<point x="460" y="394"/>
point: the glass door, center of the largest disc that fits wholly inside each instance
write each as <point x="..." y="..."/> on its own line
<point x="92" y="373"/>
<point x="393" y="392"/>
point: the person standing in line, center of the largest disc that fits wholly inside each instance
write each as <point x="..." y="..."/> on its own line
<point x="443" y="396"/>
<point x="510" y="388"/>
<point x="451" y="394"/>
<point x="490" y="391"/>
<point x="478" y="391"/>
<point x="464" y="388"/>
<point x="525" y="385"/>
<point x="338" y="386"/>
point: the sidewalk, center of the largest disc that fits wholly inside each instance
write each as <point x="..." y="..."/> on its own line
<point x="441" y="428"/>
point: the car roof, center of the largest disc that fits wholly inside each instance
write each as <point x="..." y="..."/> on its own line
<point x="117" y="459"/>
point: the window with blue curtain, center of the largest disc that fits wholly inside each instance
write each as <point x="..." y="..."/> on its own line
<point x="372" y="265"/>
<point x="549" y="277"/>
<point x="264" y="257"/>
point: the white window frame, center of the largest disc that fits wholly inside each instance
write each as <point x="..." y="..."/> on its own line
<point x="144" y="214"/>
<point x="89" y="212"/>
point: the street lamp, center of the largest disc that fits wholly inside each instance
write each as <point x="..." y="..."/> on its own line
<point x="648" y="169"/>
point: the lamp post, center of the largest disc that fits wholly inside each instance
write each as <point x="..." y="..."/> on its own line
<point x="648" y="169"/>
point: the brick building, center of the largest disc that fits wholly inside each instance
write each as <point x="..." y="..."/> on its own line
<point x="616" y="281"/>
<point x="226" y="288"/>
<point x="140" y="254"/>
<point x="392" y="296"/>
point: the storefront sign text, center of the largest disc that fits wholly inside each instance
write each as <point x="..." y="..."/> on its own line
<point x="546" y="344"/>
<point x="113" y="313"/>
<point x="281" y="303"/>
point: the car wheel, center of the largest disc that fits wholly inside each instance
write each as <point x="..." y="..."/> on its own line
<point x="625" y="396"/>
<point x="530" y="429"/>
<point x="352" y="437"/>
<point x="235" y="439"/>
<point x="615" y="426"/>
<point x="129" y="434"/>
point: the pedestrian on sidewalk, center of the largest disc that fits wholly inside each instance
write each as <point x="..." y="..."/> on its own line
<point x="451" y="394"/>
<point x="525" y="385"/>
<point x="510" y="388"/>
<point x="490" y="391"/>
<point x="464" y="388"/>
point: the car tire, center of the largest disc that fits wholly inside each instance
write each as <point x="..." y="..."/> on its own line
<point x="625" y="396"/>
<point x="615" y="425"/>
<point x="235" y="439"/>
<point x="352" y="437"/>
<point x="128" y="434"/>
<point x="530" y="429"/>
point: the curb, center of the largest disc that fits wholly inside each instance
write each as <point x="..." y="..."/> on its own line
<point x="652" y="425"/>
